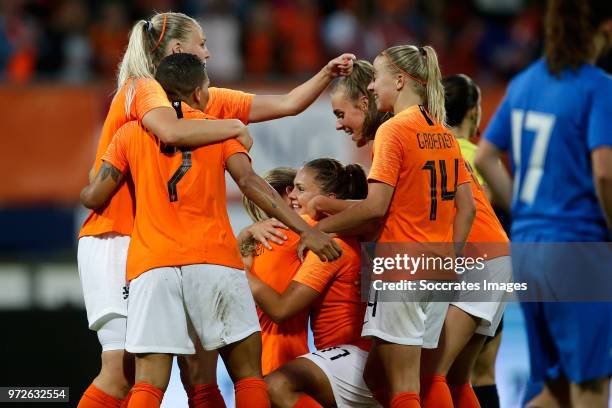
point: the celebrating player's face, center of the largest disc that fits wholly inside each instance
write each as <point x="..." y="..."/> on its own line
<point x="349" y="115"/>
<point x="196" y="44"/>
<point x="305" y="187"/>
<point x="383" y="86"/>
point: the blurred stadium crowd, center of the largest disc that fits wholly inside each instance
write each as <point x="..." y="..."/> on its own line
<point x="77" y="41"/>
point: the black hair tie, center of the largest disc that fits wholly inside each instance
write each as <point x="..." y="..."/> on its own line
<point x="148" y="25"/>
<point x="422" y="51"/>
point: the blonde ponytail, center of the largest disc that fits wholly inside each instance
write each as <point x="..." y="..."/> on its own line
<point x="421" y="65"/>
<point x="147" y="47"/>
<point x="435" y="89"/>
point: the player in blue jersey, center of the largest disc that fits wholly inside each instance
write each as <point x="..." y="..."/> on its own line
<point x="555" y="123"/>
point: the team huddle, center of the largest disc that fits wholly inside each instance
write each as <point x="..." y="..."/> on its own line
<point x="163" y="274"/>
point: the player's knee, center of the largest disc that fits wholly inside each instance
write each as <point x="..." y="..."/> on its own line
<point x="114" y="373"/>
<point x="280" y="388"/>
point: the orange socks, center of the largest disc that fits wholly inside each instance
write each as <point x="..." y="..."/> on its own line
<point x="145" y="396"/>
<point x="251" y="392"/>
<point x="464" y="396"/>
<point x="306" y="401"/>
<point x="406" y="400"/>
<point x="435" y="392"/>
<point x="96" y="398"/>
<point x="205" y="396"/>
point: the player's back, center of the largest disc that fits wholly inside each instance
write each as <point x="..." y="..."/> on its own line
<point x="428" y="167"/>
<point x="181" y="216"/>
<point x="550" y="125"/>
<point x="336" y="316"/>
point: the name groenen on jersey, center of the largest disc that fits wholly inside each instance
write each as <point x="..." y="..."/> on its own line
<point x="435" y="140"/>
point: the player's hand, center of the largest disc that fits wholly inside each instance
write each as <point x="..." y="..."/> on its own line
<point x="341" y="66"/>
<point x="321" y="244"/>
<point x="268" y="230"/>
<point x="245" y="139"/>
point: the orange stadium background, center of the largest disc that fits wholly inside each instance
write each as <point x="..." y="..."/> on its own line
<point x="58" y="60"/>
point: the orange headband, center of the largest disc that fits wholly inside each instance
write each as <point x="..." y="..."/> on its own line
<point x="161" y="36"/>
<point x="420" y="81"/>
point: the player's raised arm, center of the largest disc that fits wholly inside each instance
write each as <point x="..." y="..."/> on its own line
<point x="267" y="107"/>
<point x="163" y="121"/>
<point x="373" y="208"/>
<point x="266" y="198"/>
<point x="104" y="185"/>
<point x="195" y="132"/>
<point x="320" y="206"/>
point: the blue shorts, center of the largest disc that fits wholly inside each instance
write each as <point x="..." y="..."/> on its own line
<point x="569" y="339"/>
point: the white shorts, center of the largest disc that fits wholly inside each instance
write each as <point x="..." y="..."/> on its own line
<point x="112" y="334"/>
<point x="169" y="306"/>
<point x="411" y="323"/>
<point x="343" y="365"/>
<point x="101" y="261"/>
<point x="491" y="309"/>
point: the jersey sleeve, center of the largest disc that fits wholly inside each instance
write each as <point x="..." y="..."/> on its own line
<point x="232" y="147"/>
<point x="388" y="157"/>
<point x="598" y="133"/>
<point x="317" y="274"/>
<point x="499" y="129"/>
<point x="148" y="95"/>
<point x="229" y="104"/>
<point x="117" y="151"/>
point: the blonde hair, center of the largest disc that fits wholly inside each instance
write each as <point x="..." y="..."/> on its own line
<point x="279" y="179"/>
<point x="147" y="47"/>
<point x="421" y="65"/>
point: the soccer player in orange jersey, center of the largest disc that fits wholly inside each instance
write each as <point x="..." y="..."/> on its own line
<point x="472" y="315"/>
<point x="332" y="375"/>
<point x="275" y="263"/>
<point x="105" y="235"/>
<point x="183" y="260"/>
<point x="351" y="102"/>
<point x="414" y="206"/>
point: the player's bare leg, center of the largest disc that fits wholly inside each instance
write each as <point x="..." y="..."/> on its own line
<point x="554" y="394"/>
<point x="483" y="373"/>
<point x="458" y="330"/>
<point x="243" y="362"/>
<point x="116" y="376"/>
<point x="199" y="377"/>
<point x="591" y="394"/>
<point x="154" y="369"/>
<point x="461" y="370"/>
<point x="401" y="366"/>
<point x="298" y="377"/>
<point x="152" y="378"/>
<point x="375" y="378"/>
<point x="198" y="368"/>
